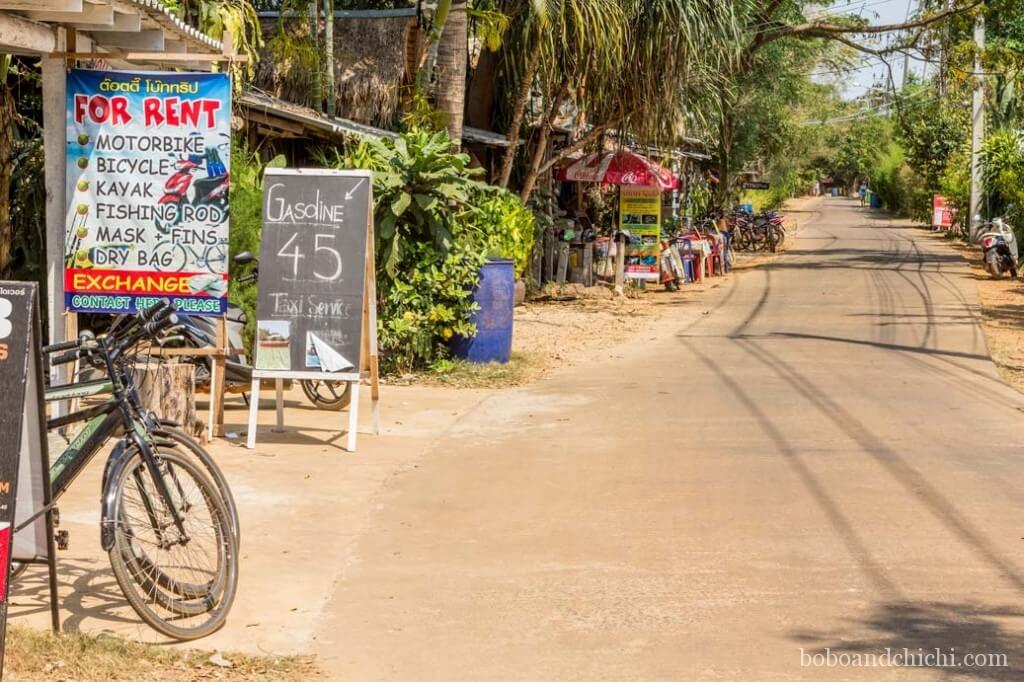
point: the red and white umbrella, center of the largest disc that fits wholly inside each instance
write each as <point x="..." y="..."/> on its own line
<point x="620" y="168"/>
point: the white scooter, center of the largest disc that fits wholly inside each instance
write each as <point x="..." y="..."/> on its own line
<point x="999" y="246"/>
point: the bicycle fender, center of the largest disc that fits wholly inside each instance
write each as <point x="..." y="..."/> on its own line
<point x="111" y="473"/>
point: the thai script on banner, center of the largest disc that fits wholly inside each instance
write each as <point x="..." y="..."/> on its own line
<point x="148" y="168"/>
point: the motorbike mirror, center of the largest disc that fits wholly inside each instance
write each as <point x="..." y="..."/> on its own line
<point x="244" y="258"/>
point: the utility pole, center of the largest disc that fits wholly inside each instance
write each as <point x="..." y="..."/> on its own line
<point x="906" y="53"/>
<point x="978" y="130"/>
<point x="332" y="109"/>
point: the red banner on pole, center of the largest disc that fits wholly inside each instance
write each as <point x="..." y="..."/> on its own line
<point x="942" y="213"/>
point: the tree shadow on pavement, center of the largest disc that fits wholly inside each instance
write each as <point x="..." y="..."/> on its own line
<point x="88" y="592"/>
<point x="954" y="629"/>
<point x="1011" y="314"/>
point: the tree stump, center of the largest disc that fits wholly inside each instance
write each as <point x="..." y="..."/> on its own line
<point x="169" y="390"/>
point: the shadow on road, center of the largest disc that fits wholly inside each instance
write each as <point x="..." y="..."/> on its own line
<point x="955" y="629"/>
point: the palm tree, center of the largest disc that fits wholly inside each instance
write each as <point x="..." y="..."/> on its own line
<point x="639" y="67"/>
<point x="8" y="121"/>
<point x="450" y="67"/>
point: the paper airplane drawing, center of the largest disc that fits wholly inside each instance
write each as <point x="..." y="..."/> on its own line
<point x="330" y="359"/>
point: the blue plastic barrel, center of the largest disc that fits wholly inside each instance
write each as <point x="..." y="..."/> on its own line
<point x="876" y="201"/>
<point x="495" y="296"/>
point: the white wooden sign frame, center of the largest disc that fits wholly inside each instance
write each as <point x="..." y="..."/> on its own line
<point x="368" y="360"/>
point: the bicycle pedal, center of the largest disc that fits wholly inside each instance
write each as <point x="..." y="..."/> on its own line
<point x="60" y="538"/>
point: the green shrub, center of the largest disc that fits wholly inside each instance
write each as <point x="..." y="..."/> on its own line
<point x="506" y="227"/>
<point x="436" y="223"/>
<point x="1003" y="162"/>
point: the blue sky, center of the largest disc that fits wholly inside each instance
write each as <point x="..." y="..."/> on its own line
<point x="876" y="12"/>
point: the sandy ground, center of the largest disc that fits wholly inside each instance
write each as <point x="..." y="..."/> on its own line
<point x="826" y="460"/>
<point x="304" y="501"/>
<point x="591" y="322"/>
<point x="1002" y="303"/>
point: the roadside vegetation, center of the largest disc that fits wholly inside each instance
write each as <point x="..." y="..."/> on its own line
<point x="37" y="655"/>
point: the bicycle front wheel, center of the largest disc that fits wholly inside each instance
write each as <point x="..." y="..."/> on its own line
<point x="182" y="584"/>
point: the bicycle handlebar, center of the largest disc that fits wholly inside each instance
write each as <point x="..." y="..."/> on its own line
<point x="63" y="345"/>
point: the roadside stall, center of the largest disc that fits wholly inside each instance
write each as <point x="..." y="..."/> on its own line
<point x="637" y="246"/>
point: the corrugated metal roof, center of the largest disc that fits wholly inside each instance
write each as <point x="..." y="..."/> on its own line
<point x="163" y="16"/>
<point x="261" y="101"/>
<point x="294" y="112"/>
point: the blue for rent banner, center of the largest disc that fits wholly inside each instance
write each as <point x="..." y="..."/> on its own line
<point x="148" y="173"/>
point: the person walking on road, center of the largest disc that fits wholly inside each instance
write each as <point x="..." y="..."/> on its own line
<point x="863" y="191"/>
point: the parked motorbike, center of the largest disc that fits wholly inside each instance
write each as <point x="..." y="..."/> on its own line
<point x="999" y="247"/>
<point x="201" y="332"/>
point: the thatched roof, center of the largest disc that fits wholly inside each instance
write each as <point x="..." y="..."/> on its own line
<point x="369" y="64"/>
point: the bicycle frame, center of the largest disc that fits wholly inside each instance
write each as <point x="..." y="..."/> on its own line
<point x="104" y="421"/>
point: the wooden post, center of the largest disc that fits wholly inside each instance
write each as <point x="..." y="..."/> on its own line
<point x="70" y="334"/>
<point x="168" y="389"/>
<point x="588" y="264"/>
<point x="370" y="321"/>
<point x="563" y="262"/>
<point x="54" y="83"/>
<point x="549" y="255"/>
<point x="537" y="262"/>
<point x="620" y="267"/>
<point x="217" y="379"/>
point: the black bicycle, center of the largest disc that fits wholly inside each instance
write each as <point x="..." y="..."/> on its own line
<point x="168" y="522"/>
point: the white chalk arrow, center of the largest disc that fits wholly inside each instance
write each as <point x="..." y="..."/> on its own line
<point x="351" y="192"/>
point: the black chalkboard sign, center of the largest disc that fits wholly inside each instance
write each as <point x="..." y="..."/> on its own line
<point x="24" y="470"/>
<point x="756" y="185"/>
<point x="312" y="281"/>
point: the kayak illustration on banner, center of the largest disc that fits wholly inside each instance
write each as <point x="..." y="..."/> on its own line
<point x="147" y="184"/>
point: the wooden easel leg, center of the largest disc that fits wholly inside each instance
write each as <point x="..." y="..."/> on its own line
<point x="210" y="412"/>
<point x="217" y="389"/>
<point x="375" y="394"/>
<point x="353" y="418"/>
<point x="51" y="567"/>
<point x="279" y="400"/>
<point x="254" y="413"/>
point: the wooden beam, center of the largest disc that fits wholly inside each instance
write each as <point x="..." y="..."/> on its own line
<point x="102" y="15"/>
<point x="274" y="132"/>
<point x="23" y="36"/>
<point x="122" y="22"/>
<point x="140" y="40"/>
<point x="43" y="5"/>
<point x="274" y="122"/>
<point x="151" y="56"/>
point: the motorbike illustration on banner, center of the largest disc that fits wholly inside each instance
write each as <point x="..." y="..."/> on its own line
<point x="148" y="182"/>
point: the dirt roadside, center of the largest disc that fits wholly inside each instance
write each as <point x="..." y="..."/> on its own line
<point x="573" y="324"/>
<point x="1002" y="311"/>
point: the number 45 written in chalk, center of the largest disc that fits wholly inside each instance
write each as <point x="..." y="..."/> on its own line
<point x="296" y="255"/>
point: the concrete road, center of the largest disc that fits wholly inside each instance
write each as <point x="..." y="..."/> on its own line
<point x="818" y="456"/>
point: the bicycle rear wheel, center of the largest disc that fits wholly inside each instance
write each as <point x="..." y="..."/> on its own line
<point x="182" y="585"/>
<point x="327" y="395"/>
